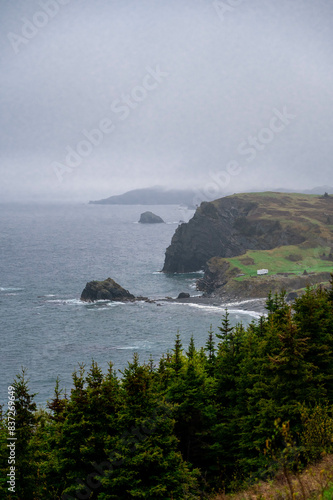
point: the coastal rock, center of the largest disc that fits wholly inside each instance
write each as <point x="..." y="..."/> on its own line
<point x="150" y="218"/>
<point x="291" y="296"/>
<point x="230" y="226"/>
<point x="105" y="290"/>
<point x="183" y="295"/>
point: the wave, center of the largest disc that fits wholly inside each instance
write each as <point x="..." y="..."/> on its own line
<point x="98" y="304"/>
<point x="144" y="344"/>
<point x="241" y="302"/>
<point x="11" y="289"/>
<point x="220" y="309"/>
<point x="75" y="302"/>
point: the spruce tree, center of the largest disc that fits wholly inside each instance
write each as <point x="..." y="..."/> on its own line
<point x="177" y="361"/>
<point x="25" y="408"/>
<point x="143" y="454"/>
<point x="210" y="350"/>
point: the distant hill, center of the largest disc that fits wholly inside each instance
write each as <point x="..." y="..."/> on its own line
<point x="151" y="196"/>
<point x="189" y="197"/>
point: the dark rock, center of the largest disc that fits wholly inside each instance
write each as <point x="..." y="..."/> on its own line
<point x="105" y="290"/>
<point x="291" y="296"/>
<point x="183" y="295"/>
<point x="150" y="218"/>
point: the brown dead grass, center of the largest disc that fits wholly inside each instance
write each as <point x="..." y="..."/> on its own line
<point x="310" y="484"/>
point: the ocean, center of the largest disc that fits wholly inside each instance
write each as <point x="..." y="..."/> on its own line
<point x="49" y="252"/>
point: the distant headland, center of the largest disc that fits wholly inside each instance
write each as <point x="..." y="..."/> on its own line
<point x="152" y="196"/>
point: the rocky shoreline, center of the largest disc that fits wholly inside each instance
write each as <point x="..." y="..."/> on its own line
<point x="251" y="305"/>
<point x="108" y="289"/>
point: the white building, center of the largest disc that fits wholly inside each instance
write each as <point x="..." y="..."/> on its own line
<point x="262" y="271"/>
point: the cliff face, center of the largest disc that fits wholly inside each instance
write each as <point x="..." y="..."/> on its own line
<point x="229" y="226"/>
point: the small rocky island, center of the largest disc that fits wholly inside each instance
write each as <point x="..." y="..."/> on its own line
<point x="105" y="290"/>
<point x="150" y="218"/>
<point x="112" y="291"/>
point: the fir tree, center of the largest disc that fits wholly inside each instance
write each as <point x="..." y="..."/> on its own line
<point x="210" y="349"/>
<point x="143" y="454"/>
<point x="177" y="361"/>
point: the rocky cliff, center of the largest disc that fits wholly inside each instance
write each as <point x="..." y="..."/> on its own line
<point x="229" y="226"/>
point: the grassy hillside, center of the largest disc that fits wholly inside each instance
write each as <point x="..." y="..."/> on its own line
<point x="311" y="215"/>
<point x="299" y="230"/>
<point x="285" y="259"/>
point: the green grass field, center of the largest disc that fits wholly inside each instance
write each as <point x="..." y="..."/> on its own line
<point x="277" y="261"/>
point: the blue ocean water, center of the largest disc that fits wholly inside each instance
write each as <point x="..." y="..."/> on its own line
<point x="49" y="252"/>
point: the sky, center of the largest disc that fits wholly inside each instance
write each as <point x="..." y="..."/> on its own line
<point x="102" y="96"/>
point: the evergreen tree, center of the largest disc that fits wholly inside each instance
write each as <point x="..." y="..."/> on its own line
<point x="24" y="423"/>
<point x="228" y="399"/>
<point x="177" y="361"/>
<point x="143" y="454"/>
<point x="314" y="317"/>
<point x="89" y="418"/>
<point x="210" y="349"/>
<point x="191" y="349"/>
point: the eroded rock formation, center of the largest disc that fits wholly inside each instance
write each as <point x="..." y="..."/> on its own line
<point x="105" y="290"/>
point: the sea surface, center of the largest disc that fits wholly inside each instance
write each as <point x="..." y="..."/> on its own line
<point x="49" y="252"/>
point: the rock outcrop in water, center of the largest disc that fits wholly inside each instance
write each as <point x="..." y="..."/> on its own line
<point x="150" y="218"/>
<point x="105" y="290"/>
<point x="227" y="227"/>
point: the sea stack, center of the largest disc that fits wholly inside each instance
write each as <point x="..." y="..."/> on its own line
<point x="150" y="218"/>
<point x="105" y="290"/>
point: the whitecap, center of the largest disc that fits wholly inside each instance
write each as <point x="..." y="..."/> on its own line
<point x="75" y="302"/>
<point x="241" y="302"/>
<point x="220" y="309"/>
<point x="143" y="344"/>
<point x="11" y="289"/>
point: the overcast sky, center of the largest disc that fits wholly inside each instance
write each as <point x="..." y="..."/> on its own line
<point x="102" y="96"/>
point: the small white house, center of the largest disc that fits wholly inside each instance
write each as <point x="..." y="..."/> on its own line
<point x="262" y="271"/>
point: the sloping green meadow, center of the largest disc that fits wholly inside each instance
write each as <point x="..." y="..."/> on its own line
<point x="284" y="259"/>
